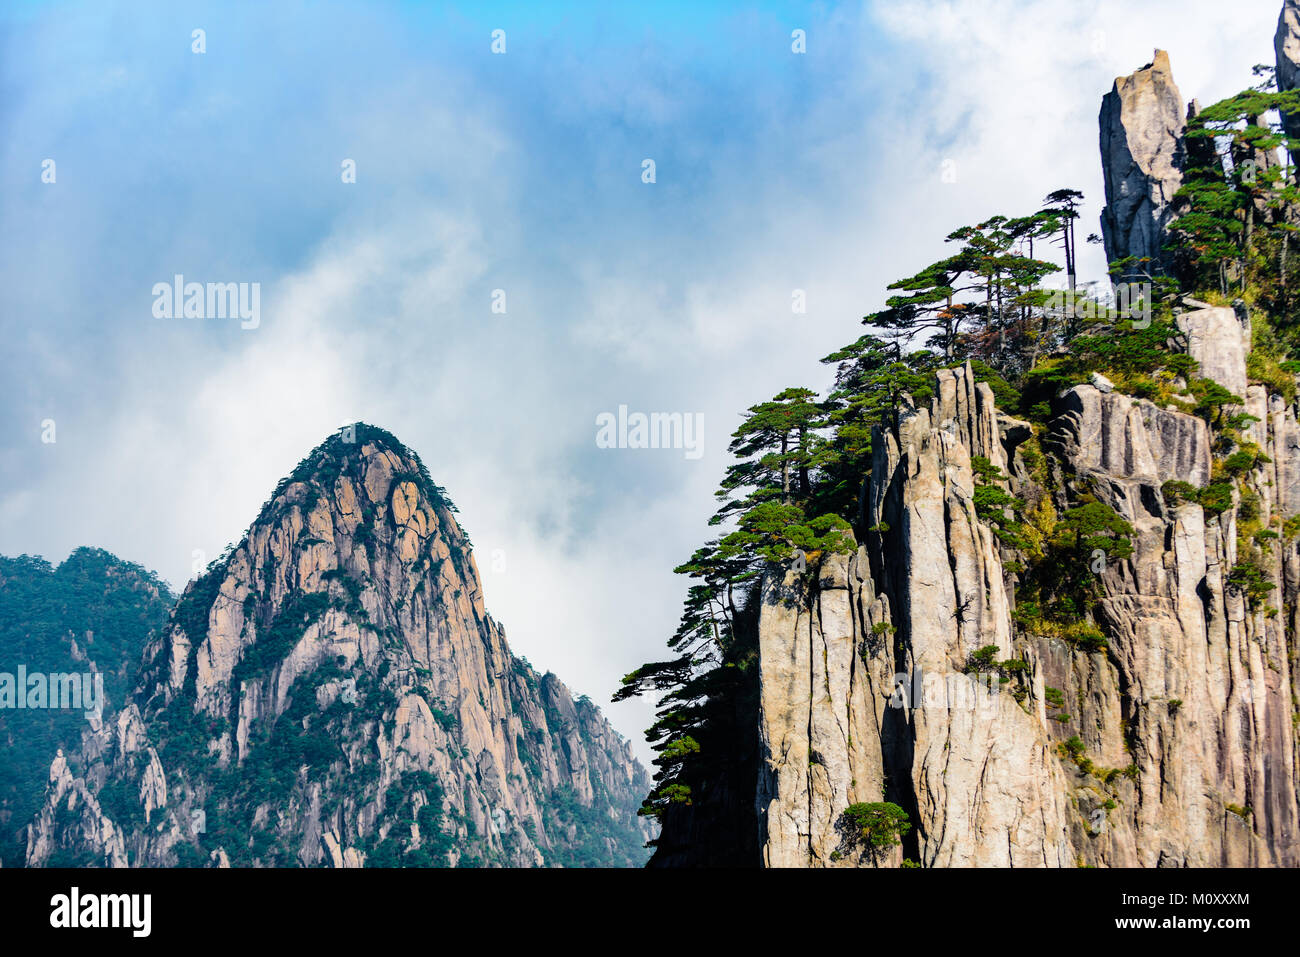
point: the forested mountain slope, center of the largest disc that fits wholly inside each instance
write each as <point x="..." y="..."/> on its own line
<point x="91" y="615"/>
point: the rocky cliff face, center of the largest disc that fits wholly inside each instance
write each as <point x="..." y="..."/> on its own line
<point x="1195" y="693"/>
<point x="868" y="699"/>
<point x="1171" y="742"/>
<point x="333" y="692"/>
<point x="1286" y="49"/>
<point x="1142" y="122"/>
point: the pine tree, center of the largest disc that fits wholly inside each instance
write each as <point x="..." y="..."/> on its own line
<point x="1062" y="209"/>
<point x="980" y="297"/>
<point x="777" y="446"/>
<point x="871" y="375"/>
<point x="779" y="452"/>
<point x="1234" y="207"/>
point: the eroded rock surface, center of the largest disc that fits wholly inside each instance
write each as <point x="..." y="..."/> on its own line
<point x="870" y="699"/>
<point x="1185" y="716"/>
<point x="1142" y="122"/>
<point x="335" y="693"/>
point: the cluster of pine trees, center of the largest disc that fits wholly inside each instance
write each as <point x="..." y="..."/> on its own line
<point x="801" y="458"/>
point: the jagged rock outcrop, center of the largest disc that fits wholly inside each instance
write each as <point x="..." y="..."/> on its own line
<point x="333" y="692"/>
<point x="1142" y="151"/>
<point x="864" y="695"/>
<point x="819" y="724"/>
<point x="1184" y="717"/>
<point x="960" y="664"/>
<point x="1195" y="689"/>
<point x="1286" y="48"/>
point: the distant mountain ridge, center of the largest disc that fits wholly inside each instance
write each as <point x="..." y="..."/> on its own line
<point x="333" y="692"/>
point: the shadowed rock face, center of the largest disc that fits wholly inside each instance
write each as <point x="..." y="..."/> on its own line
<point x="1142" y="122"/>
<point x="335" y="693"/>
<point x="1286" y="47"/>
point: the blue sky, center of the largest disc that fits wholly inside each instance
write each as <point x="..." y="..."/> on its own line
<point x="520" y="172"/>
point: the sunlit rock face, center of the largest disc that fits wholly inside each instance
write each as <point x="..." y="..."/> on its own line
<point x="333" y="692"/>
<point x="1185" y="716"/>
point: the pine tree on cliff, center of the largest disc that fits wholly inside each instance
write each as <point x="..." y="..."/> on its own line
<point x="974" y="295"/>
<point x="779" y="451"/>
<point x="1234" y="226"/>
<point x="1061" y="208"/>
<point x="932" y="304"/>
<point x="1009" y="336"/>
<point x="777" y="445"/>
<point x="871" y="376"/>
